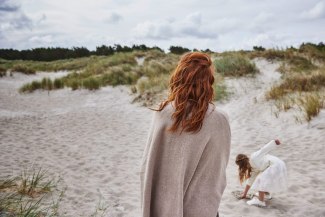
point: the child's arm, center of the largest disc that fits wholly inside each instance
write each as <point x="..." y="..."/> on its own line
<point x="245" y="192"/>
<point x="249" y="183"/>
<point x="267" y="148"/>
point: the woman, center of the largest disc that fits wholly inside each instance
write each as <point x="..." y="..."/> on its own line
<point x="183" y="171"/>
<point x="264" y="173"/>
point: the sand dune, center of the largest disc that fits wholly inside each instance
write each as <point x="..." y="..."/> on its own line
<point x="94" y="140"/>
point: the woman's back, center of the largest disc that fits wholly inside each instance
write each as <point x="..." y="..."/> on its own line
<point x="183" y="173"/>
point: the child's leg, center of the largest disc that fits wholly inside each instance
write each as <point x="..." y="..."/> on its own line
<point x="261" y="195"/>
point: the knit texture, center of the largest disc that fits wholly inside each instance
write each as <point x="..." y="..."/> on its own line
<point x="184" y="175"/>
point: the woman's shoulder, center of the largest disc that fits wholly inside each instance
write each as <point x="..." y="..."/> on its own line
<point x="217" y="113"/>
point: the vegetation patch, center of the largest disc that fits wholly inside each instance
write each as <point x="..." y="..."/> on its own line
<point x="235" y="65"/>
<point x="23" y="69"/>
<point x="298" y="83"/>
<point x="220" y="89"/>
<point x="25" y="194"/>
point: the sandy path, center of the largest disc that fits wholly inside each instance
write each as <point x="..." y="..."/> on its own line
<point x="95" y="141"/>
<point x="253" y="124"/>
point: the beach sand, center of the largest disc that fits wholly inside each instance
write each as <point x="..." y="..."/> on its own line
<point x="94" y="140"/>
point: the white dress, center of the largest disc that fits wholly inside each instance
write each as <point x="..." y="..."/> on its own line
<point x="269" y="173"/>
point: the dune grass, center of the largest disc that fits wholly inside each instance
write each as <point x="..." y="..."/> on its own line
<point x="235" y="65"/>
<point x="305" y="91"/>
<point x="311" y="105"/>
<point x="221" y="92"/>
<point x="25" y="195"/>
<point x="3" y="72"/>
<point x="298" y="83"/>
<point x="23" y="69"/>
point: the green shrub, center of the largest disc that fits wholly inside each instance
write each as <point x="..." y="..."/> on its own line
<point x="235" y="65"/>
<point x="23" y="69"/>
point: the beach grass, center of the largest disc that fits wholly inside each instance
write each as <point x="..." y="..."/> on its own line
<point x="235" y="65"/>
<point x="295" y="82"/>
<point x="25" y="194"/>
<point x="23" y="69"/>
<point x="3" y="72"/>
<point x="311" y="105"/>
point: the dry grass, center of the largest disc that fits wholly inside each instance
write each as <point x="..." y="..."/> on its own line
<point x="311" y="105"/>
<point x="305" y="91"/>
<point x="298" y="83"/>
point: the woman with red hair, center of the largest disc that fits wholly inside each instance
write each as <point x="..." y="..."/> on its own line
<point x="183" y="172"/>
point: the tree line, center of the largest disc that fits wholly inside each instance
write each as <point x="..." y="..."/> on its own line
<point x="57" y="53"/>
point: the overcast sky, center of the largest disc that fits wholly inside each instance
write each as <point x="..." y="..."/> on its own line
<point x="215" y="24"/>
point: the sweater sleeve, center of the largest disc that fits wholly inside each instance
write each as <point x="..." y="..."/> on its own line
<point x="251" y="180"/>
<point x="265" y="149"/>
<point x="145" y="153"/>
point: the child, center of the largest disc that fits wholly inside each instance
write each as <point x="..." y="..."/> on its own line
<point x="264" y="173"/>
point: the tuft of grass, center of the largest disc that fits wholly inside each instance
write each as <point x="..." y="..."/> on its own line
<point x="24" y="195"/>
<point x="46" y="84"/>
<point x="34" y="183"/>
<point x="235" y="65"/>
<point x="23" y="69"/>
<point x="8" y="182"/>
<point x="153" y="84"/>
<point x="311" y="105"/>
<point x="121" y="58"/>
<point x="30" y="87"/>
<point x="91" y="83"/>
<point x="3" y="72"/>
<point x="220" y="89"/>
<point x="74" y="84"/>
<point x="58" y="83"/>
<point x="220" y="92"/>
<point x="118" y="77"/>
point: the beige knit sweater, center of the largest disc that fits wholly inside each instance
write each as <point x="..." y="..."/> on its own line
<point x="184" y="175"/>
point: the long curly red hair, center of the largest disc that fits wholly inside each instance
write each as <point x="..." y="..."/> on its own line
<point x="191" y="91"/>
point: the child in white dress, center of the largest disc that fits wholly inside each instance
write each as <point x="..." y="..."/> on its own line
<point x="263" y="172"/>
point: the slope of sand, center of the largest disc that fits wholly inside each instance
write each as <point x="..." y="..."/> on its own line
<point x="94" y="140"/>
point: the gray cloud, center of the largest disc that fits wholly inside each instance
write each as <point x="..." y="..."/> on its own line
<point x="216" y="24"/>
<point x="7" y="6"/>
<point x="12" y="17"/>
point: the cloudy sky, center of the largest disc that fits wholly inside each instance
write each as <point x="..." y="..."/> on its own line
<point x="215" y="24"/>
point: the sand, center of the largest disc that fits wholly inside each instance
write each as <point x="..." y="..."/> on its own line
<point x="94" y="141"/>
